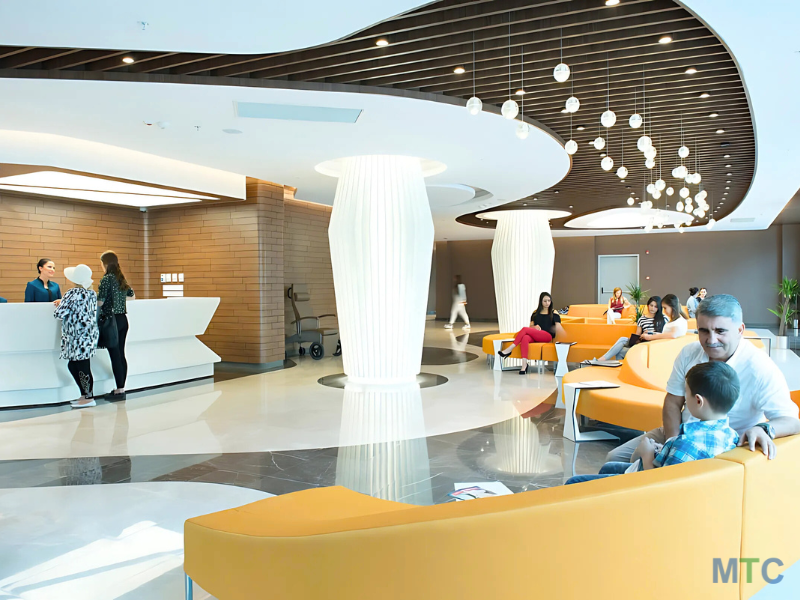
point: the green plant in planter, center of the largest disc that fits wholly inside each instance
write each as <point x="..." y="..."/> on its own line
<point x="637" y="294"/>
<point x="788" y="290"/>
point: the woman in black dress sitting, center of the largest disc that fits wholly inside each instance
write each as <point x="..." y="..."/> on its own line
<point x="544" y="322"/>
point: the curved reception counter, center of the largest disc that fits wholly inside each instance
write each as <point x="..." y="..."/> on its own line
<point x="162" y="347"/>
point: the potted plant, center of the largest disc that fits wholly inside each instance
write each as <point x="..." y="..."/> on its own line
<point x="637" y="294"/>
<point x="788" y="290"/>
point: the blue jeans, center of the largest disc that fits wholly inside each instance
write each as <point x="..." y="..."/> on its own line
<point x="607" y="470"/>
<point x="618" y="350"/>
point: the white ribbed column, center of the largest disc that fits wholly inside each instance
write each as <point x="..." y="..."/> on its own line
<point x="383" y="450"/>
<point x="523" y="256"/>
<point x="381" y="237"/>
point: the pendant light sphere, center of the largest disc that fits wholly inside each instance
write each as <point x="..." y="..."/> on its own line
<point x="599" y="143"/>
<point x="688" y="209"/>
<point x="622" y="172"/>
<point x="702" y="194"/>
<point x="561" y="73"/>
<point x="656" y="194"/>
<point x="700" y="213"/>
<point x="523" y="129"/>
<point x="670" y="191"/>
<point x="571" y="147"/>
<point x="572" y="104"/>
<point x="651" y="188"/>
<point x="711" y="222"/>
<point x="607" y="163"/>
<point x="635" y="121"/>
<point x="660" y="185"/>
<point x="650" y="152"/>
<point x="650" y="163"/>
<point x="679" y="172"/>
<point x="630" y="201"/>
<point x="608" y="118"/>
<point x="643" y="143"/>
<point x="474" y="105"/>
<point x="510" y="109"/>
<point x="679" y="206"/>
<point x="697" y="178"/>
<point x="683" y="151"/>
<point x="684" y="193"/>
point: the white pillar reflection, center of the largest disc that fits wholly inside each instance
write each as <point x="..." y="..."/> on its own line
<point x="523" y="447"/>
<point x="383" y="451"/>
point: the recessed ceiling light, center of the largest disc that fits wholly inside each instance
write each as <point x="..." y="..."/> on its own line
<point x="665" y="39"/>
<point x="521" y="92"/>
<point x="727" y="187"/>
<point x="555" y="191"/>
<point x="728" y="181"/>
<point x="128" y="60"/>
<point x="705" y="95"/>
<point x="571" y="206"/>
<point x="725" y="193"/>
<point x="714" y="115"/>
<point x="524" y="204"/>
<point x="690" y="71"/>
<point x="459" y="70"/>
<point x="564" y="110"/>
<point x="581" y="128"/>
<point x="728" y="166"/>
<point x="602" y="154"/>
<point x="612" y="2"/>
<point x="382" y="42"/>
<point x="728" y="174"/>
<point x="720" y="131"/>
<point x="727" y="156"/>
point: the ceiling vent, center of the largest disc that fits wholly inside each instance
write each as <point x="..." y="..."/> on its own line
<point x="747" y="220"/>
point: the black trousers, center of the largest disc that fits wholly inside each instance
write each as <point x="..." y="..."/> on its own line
<point x="119" y="363"/>
<point x="81" y="372"/>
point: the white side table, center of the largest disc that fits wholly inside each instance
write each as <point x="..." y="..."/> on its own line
<point x="497" y="365"/>
<point x="562" y="353"/>
<point x="571" y="428"/>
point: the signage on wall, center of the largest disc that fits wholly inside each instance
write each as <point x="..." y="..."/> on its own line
<point x="172" y="291"/>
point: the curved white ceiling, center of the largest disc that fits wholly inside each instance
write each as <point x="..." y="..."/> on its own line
<point x="208" y="26"/>
<point x="480" y="151"/>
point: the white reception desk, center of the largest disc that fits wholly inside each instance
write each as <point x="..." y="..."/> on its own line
<point x="161" y="348"/>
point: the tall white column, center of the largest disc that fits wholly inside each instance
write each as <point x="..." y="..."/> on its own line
<point x="523" y="256"/>
<point x="381" y="237"/>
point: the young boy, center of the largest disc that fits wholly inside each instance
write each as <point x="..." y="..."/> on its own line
<point x="712" y="389"/>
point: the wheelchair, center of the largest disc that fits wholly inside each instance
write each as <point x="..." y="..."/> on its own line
<point x="313" y="334"/>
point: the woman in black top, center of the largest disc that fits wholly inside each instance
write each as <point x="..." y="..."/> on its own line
<point x="111" y="298"/>
<point x="544" y="322"/>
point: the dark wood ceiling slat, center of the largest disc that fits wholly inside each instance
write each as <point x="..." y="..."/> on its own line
<point x="34" y="56"/>
<point x="79" y="58"/>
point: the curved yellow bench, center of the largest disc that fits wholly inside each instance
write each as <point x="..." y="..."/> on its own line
<point x="335" y="544"/>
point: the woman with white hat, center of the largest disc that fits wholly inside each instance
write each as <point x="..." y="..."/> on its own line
<point x="79" y="331"/>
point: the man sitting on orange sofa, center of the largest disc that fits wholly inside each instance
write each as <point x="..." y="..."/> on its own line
<point x="711" y="390"/>
<point x="764" y="393"/>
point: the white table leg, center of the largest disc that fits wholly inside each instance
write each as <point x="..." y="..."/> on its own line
<point x="572" y="429"/>
<point x="498" y="361"/>
<point x="562" y="353"/>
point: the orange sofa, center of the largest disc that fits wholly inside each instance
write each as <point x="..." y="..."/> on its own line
<point x="603" y="539"/>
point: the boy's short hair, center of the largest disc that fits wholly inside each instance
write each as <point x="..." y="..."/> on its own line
<point x="716" y="382"/>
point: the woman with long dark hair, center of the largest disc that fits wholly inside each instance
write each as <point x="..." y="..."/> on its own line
<point x="677" y="325"/>
<point x="544" y="322"/>
<point x="651" y="321"/>
<point x="43" y="288"/>
<point x="111" y="298"/>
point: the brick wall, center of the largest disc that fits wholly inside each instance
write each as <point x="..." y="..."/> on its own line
<point x="234" y="251"/>
<point x="67" y="232"/>
<point x="307" y="255"/>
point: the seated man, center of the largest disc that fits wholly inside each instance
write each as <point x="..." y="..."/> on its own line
<point x="763" y="390"/>
<point x="712" y="389"/>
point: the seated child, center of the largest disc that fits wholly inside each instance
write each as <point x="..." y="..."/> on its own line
<point x="712" y="389"/>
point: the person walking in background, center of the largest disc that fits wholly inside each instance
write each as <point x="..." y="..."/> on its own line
<point x="544" y="323"/>
<point x="78" y="314"/>
<point x="112" y="296"/>
<point x="616" y="304"/>
<point x="43" y="289"/>
<point x="459" y="307"/>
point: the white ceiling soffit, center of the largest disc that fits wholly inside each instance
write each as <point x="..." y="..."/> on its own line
<point x="209" y="26"/>
<point x="628" y="217"/>
<point x="50" y="150"/>
<point x="770" y="65"/>
<point x="480" y="151"/>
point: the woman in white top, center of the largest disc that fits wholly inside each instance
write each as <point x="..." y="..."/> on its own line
<point x="459" y="303"/>
<point x="677" y="325"/>
<point x="696" y="295"/>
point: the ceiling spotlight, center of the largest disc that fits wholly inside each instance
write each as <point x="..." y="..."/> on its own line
<point x="690" y="71"/>
<point x="728" y="181"/>
<point x="720" y="131"/>
<point x="581" y="128"/>
<point x="727" y="187"/>
<point x="714" y="115"/>
<point x="728" y="166"/>
<point x="728" y="174"/>
<point x="382" y="42"/>
<point x="128" y="60"/>
<point x="564" y="110"/>
<point x="460" y="71"/>
<point x="612" y="2"/>
<point x="521" y="92"/>
<point x="665" y="39"/>
<point x="727" y="156"/>
<point x="705" y="95"/>
<point x="555" y="191"/>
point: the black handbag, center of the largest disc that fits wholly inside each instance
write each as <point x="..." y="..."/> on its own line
<point x="107" y="323"/>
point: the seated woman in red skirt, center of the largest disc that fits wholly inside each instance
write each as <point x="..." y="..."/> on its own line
<point x="544" y="321"/>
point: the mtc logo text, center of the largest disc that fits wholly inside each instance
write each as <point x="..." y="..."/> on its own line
<point x="725" y="574"/>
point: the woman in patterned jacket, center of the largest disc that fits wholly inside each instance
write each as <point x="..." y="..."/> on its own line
<point x="79" y="331"/>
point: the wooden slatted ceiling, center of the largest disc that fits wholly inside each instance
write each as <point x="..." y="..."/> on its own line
<point x="601" y="45"/>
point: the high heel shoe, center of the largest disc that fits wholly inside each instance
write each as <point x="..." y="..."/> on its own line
<point x="525" y="370"/>
<point x="504" y="354"/>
